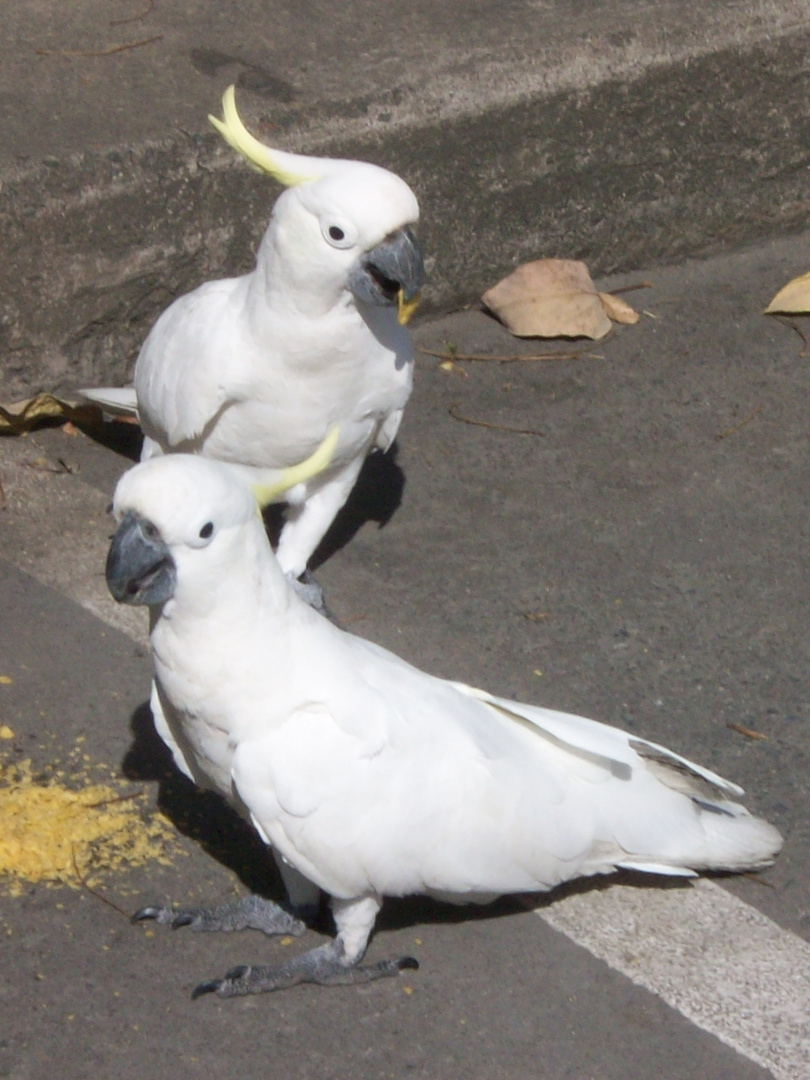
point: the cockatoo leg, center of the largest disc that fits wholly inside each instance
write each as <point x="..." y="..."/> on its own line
<point x="249" y="913"/>
<point x="311" y="593"/>
<point x="334" y="964"/>
<point x="307" y="523"/>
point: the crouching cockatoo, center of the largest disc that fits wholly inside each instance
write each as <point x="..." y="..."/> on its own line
<point x="368" y="777"/>
<point x="255" y="370"/>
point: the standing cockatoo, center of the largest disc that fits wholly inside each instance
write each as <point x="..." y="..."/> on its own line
<point x="368" y="777"/>
<point x="255" y="370"/>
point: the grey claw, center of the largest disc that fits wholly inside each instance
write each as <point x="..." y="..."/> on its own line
<point x="233" y="984"/>
<point x="151" y="912"/>
<point x="183" y="919"/>
<point x="206" y="988"/>
<point x="409" y="962"/>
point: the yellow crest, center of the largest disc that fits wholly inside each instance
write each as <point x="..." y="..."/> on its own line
<point x="277" y="163"/>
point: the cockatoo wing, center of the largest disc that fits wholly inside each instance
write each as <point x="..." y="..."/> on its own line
<point x="402" y="785"/>
<point x="451" y="790"/>
<point x="165" y="732"/>
<point x="388" y="430"/>
<point x="613" y="746"/>
<point x="191" y="366"/>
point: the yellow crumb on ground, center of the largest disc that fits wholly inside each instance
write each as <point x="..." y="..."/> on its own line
<point x="52" y="834"/>
<point x="6" y="732"/>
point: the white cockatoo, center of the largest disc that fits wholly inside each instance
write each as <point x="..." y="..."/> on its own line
<point x="255" y="370"/>
<point x="367" y="776"/>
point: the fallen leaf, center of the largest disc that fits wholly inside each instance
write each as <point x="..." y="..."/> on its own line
<point x="30" y="413"/>
<point x="453" y="410"/>
<point x="794" y="299"/>
<point x="549" y="298"/>
<point x="619" y="310"/>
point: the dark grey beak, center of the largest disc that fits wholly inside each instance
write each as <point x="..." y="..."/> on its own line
<point x="140" y="568"/>
<point x="393" y="267"/>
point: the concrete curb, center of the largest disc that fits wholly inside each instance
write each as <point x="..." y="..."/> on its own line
<point x="648" y="164"/>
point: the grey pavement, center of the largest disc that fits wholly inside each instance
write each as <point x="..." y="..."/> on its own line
<point x="641" y="559"/>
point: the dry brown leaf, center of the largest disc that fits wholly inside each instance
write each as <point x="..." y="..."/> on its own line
<point x="618" y="310"/>
<point x="25" y="415"/>
<point x="549" y="298"/>
<point x="794" y="299"/>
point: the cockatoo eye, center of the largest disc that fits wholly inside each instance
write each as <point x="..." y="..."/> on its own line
<point x="207" y="531"/>
<point x="338" y="234"/>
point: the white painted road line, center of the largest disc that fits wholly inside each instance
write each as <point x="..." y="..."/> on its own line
<point x="721" y="963"/>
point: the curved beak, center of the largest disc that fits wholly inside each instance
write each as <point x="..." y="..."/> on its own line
<point x="140" y="568"/>
<point x="391" y="274"/>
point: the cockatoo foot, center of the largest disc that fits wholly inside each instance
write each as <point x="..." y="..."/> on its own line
<point x="311" y="593"/>
<point x="326" y="965"/>
<point x="249" y="913"/>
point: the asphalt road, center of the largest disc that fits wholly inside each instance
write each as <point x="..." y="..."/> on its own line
<point x="639" y="559"/>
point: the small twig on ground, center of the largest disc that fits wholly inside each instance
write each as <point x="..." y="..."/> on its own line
<point x="101" y="52"/>
<point x="746" y="731"/>
<point x="510" y="359"/>
<point x="757" y="880"/>
<point x="453" y="410"/>
<point x="745" y="420"/>
<point x="630" y="288"/>
<point x="94" y="892"/>
<point x="134" y="18"/>
<point x="535" y="616"/>
<point x="42" y="466"/>
<point x="115" y="799"/>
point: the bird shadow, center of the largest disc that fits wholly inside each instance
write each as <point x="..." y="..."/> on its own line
<point x="121" y="438"/>
<point x="376" y="496"/>
<point x="202" y="816"/>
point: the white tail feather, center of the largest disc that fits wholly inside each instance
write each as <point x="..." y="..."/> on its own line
<point x="118" y="401"/>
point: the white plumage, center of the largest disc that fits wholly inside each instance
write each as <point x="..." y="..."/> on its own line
<point x="255" y="370"/>
<point x="365" y="774"/>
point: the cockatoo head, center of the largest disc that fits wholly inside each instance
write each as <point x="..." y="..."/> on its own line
<point x="187" y="515"/>
<point x="173" y="512"/>
<point x="345" y="223"/>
